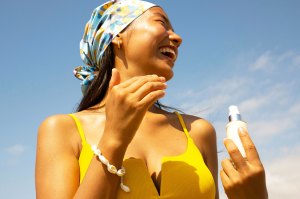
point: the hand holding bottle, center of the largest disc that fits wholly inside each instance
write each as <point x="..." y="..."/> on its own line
<point x="243" y="175"/>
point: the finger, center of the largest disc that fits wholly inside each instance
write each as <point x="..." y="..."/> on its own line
<point x="115" y="79"/>
<point x="229" y="168"/>
<point x="148" y="88"/>
<point x="250" y="149"/>
<point x="134" y="79"/>
<point x="235" y="154"/>
<point x="129" y="81"/>
<point x="149" y="99"/>
<point x="224" y="178"/>
<point x="139" y="82"/>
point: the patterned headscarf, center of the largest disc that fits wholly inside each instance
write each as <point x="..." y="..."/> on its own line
<point x="106" y="22"/>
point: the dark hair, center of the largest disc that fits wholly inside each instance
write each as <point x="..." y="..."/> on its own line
<point x="99" y="86"/>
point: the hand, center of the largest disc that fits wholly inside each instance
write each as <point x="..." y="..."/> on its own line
<point x="243" y="178"/>
<point x="128" y="102"/>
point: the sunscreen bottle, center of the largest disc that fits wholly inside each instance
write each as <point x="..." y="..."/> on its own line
<point x="235" y="122"/>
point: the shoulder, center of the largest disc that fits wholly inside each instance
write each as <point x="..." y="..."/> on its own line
<point x="56" y="123"/>
<point x="202" y="132"/>
<point x="198" y="127"/>
<point x="57" y="131"/>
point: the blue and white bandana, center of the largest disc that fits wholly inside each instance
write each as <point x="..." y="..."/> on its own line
<point x="106" y="22"/>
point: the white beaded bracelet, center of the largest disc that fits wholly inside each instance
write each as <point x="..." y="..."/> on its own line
<point x="111" y="168"/>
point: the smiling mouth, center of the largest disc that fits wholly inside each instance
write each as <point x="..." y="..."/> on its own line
<point x="168" y="52"/>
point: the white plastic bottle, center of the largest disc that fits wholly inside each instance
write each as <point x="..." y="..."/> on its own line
<point x="235" y="122"/>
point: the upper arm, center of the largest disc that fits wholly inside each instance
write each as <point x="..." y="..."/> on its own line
<point x="57" y="169"/>
<point x="204" y="136"/>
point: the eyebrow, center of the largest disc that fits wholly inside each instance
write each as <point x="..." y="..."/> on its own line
<point x="166" y="19"/>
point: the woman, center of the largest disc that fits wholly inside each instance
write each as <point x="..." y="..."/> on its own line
<point x="129" y="48"/>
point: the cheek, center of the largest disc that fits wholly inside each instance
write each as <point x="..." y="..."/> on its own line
<point x="146" y="37"/>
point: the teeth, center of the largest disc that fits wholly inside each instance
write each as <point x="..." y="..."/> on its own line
<point x="168" y="50"/>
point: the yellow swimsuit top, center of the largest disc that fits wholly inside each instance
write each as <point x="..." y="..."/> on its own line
<point x="182" y="177"/>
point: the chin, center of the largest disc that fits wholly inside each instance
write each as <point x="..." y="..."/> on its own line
<point x="169" y="76"/>
<point x="166" y="74"/>
<point x="162" y="69"/>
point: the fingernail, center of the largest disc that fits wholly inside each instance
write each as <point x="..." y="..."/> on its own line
<point x="225" y="140"/>
<point x="163" y="79"/>
<point x="242" y="131"/>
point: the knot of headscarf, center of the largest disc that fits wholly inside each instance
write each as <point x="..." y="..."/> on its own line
<point x="106" y="22"/>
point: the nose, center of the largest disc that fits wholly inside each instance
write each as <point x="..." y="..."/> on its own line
<point x="175" y="38"/>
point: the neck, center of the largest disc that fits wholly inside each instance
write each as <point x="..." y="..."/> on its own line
<point x="153" y="108"/>
<point x="100" y="108"/>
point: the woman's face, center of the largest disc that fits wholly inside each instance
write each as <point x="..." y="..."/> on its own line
<point x="150" y="45"/>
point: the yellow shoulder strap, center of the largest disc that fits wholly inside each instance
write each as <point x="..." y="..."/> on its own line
<point x="182" y="124"/>
<point x="79" y="127"/>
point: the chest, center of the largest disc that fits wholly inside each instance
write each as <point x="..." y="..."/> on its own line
<point x="152" y="144"/>
<point x="181" y="176"/>
<point x="159" y="153"/>
<point x="155" y="139"/>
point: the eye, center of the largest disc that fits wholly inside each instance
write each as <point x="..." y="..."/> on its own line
<point x="161" y="21"/>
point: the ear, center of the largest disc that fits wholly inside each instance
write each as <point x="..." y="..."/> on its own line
<point x="117" y="41"/>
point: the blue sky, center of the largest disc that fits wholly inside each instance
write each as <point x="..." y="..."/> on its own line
<point x="234" y="52"/>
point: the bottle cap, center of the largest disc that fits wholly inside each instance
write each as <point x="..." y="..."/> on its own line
<point x="234" y="113"/>
<point x="233" y="110"/>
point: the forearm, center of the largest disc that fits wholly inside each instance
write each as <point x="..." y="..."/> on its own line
<point x="98" y="181"/>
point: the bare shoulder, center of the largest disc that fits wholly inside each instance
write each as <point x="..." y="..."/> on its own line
<point x="199" y="128"/>
<point x="55" y="124"/>
<point x="202" y="132"/>
<point x="57" y="131"/>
